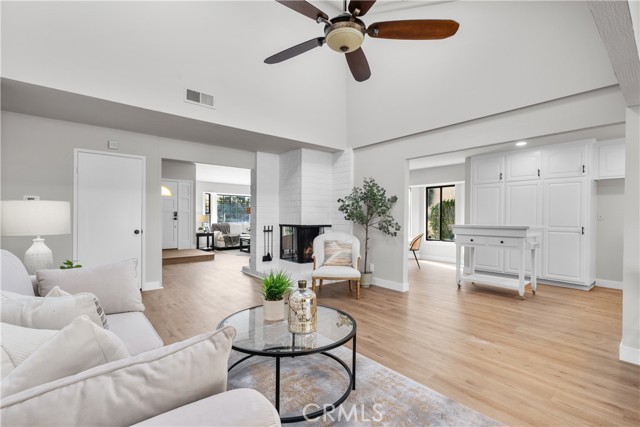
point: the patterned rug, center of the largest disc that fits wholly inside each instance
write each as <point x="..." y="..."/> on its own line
<point x="382" y="397"/>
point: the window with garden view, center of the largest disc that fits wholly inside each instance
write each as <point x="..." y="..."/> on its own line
<point x="441" y="212"/>
<point x="233" y="208"/>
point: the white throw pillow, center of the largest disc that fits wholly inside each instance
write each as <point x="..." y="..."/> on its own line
<point x="57" y="292"/>
<point x="115" y="285"/>
<point x="19" y="343"/>
<point x="49" y="312"/>
<point x="12" y="296"/>
<point x="79" y="346"/>
<point x="128" y="391"/>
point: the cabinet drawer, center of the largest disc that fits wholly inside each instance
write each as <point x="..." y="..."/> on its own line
<point x="502" y="241"/>
<point x="471" y="239"/>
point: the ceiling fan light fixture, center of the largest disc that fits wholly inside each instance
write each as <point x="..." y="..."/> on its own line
<point x="344" y="37"/>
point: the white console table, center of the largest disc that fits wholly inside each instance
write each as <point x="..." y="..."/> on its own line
<point x="522" y="238"/>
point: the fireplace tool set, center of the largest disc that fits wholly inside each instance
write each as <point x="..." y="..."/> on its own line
<point x="268" y="242"/>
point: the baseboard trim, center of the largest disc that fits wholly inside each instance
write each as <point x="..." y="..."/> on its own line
<point x="151" y="286"/>
<point x="612" y="284"/>
<point x="629" y="354"/>
<point x="388" y="284"/>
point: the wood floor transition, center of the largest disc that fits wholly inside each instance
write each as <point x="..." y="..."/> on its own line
<point x="551" y="360"/>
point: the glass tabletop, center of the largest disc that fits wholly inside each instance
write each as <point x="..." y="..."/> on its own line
<point x="254" y="335"/>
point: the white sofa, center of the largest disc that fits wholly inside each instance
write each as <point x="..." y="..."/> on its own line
<point x="235" y="229"/>
<point x="242" y="407"/>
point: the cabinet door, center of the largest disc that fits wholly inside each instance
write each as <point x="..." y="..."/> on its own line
<point x="523" y="166"/>
<point x="486" y="209"/>
<point x="565" y="162"/>
<point x="487" y="170"/>
<point x="611" y="160"/>
<point x="564" y="242"/>
<point x="523" y="206"/>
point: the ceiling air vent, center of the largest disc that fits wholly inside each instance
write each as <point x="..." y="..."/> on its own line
<point x="195" y="97"/>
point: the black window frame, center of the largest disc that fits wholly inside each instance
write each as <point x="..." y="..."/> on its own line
<point x="426" y="193"/>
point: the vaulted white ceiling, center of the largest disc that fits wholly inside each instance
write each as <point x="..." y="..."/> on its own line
<point x="507" y="55"/>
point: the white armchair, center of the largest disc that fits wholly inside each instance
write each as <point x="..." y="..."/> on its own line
<point x="338" y="266"/>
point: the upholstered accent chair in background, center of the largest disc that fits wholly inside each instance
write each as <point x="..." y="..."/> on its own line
<point x="336" y="256"/>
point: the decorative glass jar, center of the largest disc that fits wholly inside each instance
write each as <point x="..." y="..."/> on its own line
<point x="303" y="306"/>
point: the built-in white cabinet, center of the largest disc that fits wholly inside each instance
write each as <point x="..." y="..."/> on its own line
<point x="565" y="162"/>
<point x="611" y="159"/>
<point x="487" y="200"/>
<point x="488" y="170"/>
<point x="523" y="166"/>
<point x="549" y="187"/>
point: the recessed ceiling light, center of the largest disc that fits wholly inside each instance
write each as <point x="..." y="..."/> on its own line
<point x="521" y="143"/>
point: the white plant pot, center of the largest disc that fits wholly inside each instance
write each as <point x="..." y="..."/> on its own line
<point x="273" y="310"/>
<point x="366" y="279"/>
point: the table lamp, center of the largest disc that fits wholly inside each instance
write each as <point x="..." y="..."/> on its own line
<point x="204" y="219"/>
<point x="36" y="218"/>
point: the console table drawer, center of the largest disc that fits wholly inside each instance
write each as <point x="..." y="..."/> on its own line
<point x="502" y="241"/>
<point x="479" y="240"/>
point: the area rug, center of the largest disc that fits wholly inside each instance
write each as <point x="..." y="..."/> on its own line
<point x="382" y="397"/>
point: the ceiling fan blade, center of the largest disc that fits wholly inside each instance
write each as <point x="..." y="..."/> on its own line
<point x="294" y="51"/>
<point x="417" y="29"/>
<point x="358" y="65"/>
<point x="307" y="9"/>
<point x="362" y="6"/>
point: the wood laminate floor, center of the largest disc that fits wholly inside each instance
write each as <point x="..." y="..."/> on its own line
<point x="551" y="360"/>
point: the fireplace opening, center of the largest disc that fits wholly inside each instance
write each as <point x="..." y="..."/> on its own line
<point x="296" y="241"/>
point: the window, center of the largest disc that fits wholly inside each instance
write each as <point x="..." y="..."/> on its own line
<point x="233" y="208"/>
<point x="441" y="212"/>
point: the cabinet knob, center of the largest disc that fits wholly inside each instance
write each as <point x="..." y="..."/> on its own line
<point x="502" y="241"/>
<point x="472" y="240"/>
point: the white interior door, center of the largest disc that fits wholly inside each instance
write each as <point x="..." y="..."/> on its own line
<point x="185" y="215"/>
<point x="487" y="210"/>
<point x="170" y="215"/>
<point x="108" y="209"/>
<point x="523" y="206"/>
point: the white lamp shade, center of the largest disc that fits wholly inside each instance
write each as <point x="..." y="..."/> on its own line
<point x="203" y="218"/>
<point x="35" y="217"/>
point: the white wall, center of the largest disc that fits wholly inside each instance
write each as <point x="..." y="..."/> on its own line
<point x="317" y="187"/>
<point x="387" y="162"/>
<point x="37" y="158"/>
<point x="218" y="47"/>
<point x="630" y="345"/>
<point x="290" y="194"/>
<point x="506" y="55"/>
<point x="610" y="229"/>
<point x="172" y="169"/>
<point x="342" y="186"/>
<point x="265" y="211"/>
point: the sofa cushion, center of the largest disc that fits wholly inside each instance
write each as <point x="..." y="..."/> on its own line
<point x="19" y="343"/>
<point x="49" y="312"/>
<point x="14" y="275"/>
<point x="135" y="331"/>
<point x="57" y="292"/>
<point x="236" y="408"/>
<point x="79" y="346"/>
<point x="127" y="391"/>
<point x="336" y="272"/>
<point x="115" y="285"/>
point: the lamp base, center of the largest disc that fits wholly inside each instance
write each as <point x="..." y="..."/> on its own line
<point x="38" y="256"/>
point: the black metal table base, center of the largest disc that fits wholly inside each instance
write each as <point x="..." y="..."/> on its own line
<point x="324" y="408"/>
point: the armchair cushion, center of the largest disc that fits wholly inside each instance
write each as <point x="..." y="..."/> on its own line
<point x="127" y="391"/>
<point x="115" y="285"/>
<point x="79" y="346"/>
<point x="336" y="272"/>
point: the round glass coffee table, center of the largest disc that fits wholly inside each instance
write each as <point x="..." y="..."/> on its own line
<point x="258" y="337"/>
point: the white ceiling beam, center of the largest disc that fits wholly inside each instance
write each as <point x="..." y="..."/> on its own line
<point x="613" y="19"/>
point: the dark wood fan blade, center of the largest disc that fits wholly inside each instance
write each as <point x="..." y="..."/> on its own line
<point x="417" y="29"/>
<point x="304" y="8"/>
<point x="358" y="65"/>
<point x="362" y="6"/>
<point x="294" y="51"/>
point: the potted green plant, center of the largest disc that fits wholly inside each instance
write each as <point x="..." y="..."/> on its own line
<point x="275" y="286"/>
<point x="369" y="207"/>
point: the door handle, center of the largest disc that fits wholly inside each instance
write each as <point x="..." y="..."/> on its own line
<point x="136" y="232"/>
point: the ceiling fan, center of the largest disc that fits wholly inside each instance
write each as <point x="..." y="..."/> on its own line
<point x="345" y="33"/>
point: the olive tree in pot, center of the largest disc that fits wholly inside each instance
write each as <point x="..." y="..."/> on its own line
<point x="369" y="207"/>
<point x="274" y="287"/>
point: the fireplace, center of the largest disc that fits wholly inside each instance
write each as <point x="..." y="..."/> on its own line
<point x="296" y="241"/>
